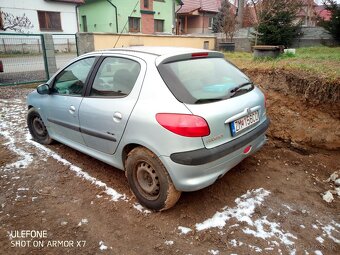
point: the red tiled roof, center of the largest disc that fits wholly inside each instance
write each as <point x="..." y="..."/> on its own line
<point x="323" y="13"/>
<point x="69" y="1"/>
<point x="202" y="5"/>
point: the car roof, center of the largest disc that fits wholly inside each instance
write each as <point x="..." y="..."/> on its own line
<point x="152" y="50"/>
<point x="161" y="53"/>
<point x="159" y="50"/>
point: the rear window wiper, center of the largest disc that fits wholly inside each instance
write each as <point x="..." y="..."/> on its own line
<point x="208" y="100"/>
<point x="242" y="85"/>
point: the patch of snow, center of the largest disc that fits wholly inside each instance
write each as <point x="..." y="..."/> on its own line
<point x="255" y="248"/>
<point x="245" y="207"/>
<point x="235" y="243"/>
<point x="140" y="208"/>
<point x="115" y="196"/>
<point x="15" y="178"/>
<point x="23" y="189"/>
<point x="302" y="226"/>
<point x="329" y="229"/>
<point x="83" y="221"/>
<point x="34" y="198"/>
<point x="274" y="231"/>
<point x="184" y="230"/>
<point x="214" y="252"/>
<point x="318" y="252"/>
<point x="288" y="207"/>
<point x="25" y="157"/>
<point x="315" y="226"/>
<point x="169" y="242"/>
<point x="320" y="239"/>
<point x="333" y="177"/>
<point x="102" y="246"/>
<point x="328" y="196"/>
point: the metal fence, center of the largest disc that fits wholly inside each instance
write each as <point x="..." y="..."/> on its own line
<point x="65" y="48"/>
<point x="23" y="58"/>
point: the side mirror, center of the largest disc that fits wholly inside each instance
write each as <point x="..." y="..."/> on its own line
<point x="43" y="89"/>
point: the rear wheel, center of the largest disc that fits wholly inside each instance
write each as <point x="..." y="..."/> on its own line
<point x="37" y="127"/>
<point x="149" y="180"/>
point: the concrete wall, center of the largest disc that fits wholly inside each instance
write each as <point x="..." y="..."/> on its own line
<point x="30" y="8"/>
<point x="310" y="36"/>
<point x="95" y="41"/>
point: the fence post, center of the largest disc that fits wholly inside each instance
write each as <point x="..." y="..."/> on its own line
<point x="49" y="55"/>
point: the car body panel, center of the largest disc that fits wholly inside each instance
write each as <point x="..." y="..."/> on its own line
<point x="112" y="112"/>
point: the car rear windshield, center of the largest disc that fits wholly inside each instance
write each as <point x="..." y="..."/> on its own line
<point x="204" y="80"/>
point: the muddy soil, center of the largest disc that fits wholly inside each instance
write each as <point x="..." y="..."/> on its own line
<point x="271" y="203"/>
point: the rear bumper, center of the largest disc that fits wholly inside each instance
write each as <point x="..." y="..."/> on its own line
<point x="191" y="178"/>
<point x="204" y="155"/>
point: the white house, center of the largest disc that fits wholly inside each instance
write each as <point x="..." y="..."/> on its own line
<point x="47" y="16"/>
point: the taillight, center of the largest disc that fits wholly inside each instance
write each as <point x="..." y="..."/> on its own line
<point x="184" y="124"/>
<point x="200" y="55"/>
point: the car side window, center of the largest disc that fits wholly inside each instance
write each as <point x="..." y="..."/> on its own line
<point x="71" y="81"/>
<point x="115" y="77"/>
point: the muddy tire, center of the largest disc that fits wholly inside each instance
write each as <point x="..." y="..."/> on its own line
<point x="37" y="127"/>
<point x="150" y="181"/>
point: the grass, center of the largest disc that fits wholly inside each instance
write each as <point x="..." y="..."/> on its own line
<point x="320" y="61"/>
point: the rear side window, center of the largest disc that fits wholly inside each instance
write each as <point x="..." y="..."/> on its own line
<point x="115" y="77"/>
<point x="203" y="80"/>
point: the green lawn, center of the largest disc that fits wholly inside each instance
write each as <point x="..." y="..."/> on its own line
<point x="320" y="61"/>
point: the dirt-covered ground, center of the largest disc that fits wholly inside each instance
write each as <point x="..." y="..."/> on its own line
<point x="271" y="203"/>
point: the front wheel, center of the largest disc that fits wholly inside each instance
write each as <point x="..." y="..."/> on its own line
<point x="149" y="180"/>
<point x="37" y="127"/>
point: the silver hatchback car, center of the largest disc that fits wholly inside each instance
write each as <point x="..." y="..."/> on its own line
<point x="174" y="119"/>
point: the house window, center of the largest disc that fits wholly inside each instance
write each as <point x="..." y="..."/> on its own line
<point x="146" y="4"/>
<point x="159" y="25"/>
<point x="84" y="21"/>
<point x="211" y="22"/>
<point x="134" y="24"/>
<point x="1" y="22"/>
<point x="49" y="21"/>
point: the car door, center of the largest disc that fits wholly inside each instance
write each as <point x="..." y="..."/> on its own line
<point x="105" y="110"/>
<point x="64" y="101"/>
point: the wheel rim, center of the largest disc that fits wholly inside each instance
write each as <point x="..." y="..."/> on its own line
<point x="39" y="127"/>
<point x="148" y="181"/>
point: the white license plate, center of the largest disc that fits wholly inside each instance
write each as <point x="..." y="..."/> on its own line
<point x="238" y="125"/>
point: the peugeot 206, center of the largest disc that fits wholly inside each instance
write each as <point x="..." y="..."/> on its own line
<point x="174" y="119"/>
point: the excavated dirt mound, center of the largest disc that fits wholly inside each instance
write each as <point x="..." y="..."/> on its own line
<point x="305" y="110"/>
<point x="313" y="90"/>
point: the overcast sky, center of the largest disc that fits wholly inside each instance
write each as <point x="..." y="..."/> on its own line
<point x="320" y="1"/>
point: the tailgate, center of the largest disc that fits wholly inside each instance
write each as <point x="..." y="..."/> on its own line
<point x="230" y="118"/>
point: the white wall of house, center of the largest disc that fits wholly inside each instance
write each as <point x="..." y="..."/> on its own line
<point x="30" y="8"/>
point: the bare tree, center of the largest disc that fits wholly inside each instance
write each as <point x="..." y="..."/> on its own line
<point x="225" y="21"/>
<point x="15" y="23"/>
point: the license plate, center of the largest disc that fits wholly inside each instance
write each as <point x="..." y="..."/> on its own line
<point x="238" y="125"/>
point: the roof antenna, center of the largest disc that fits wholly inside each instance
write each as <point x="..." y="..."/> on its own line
<point x="134" y="8"/>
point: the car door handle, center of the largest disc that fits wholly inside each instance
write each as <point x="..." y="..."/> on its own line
<point x="117" y="117"/>
<point x="72" y="109"/>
